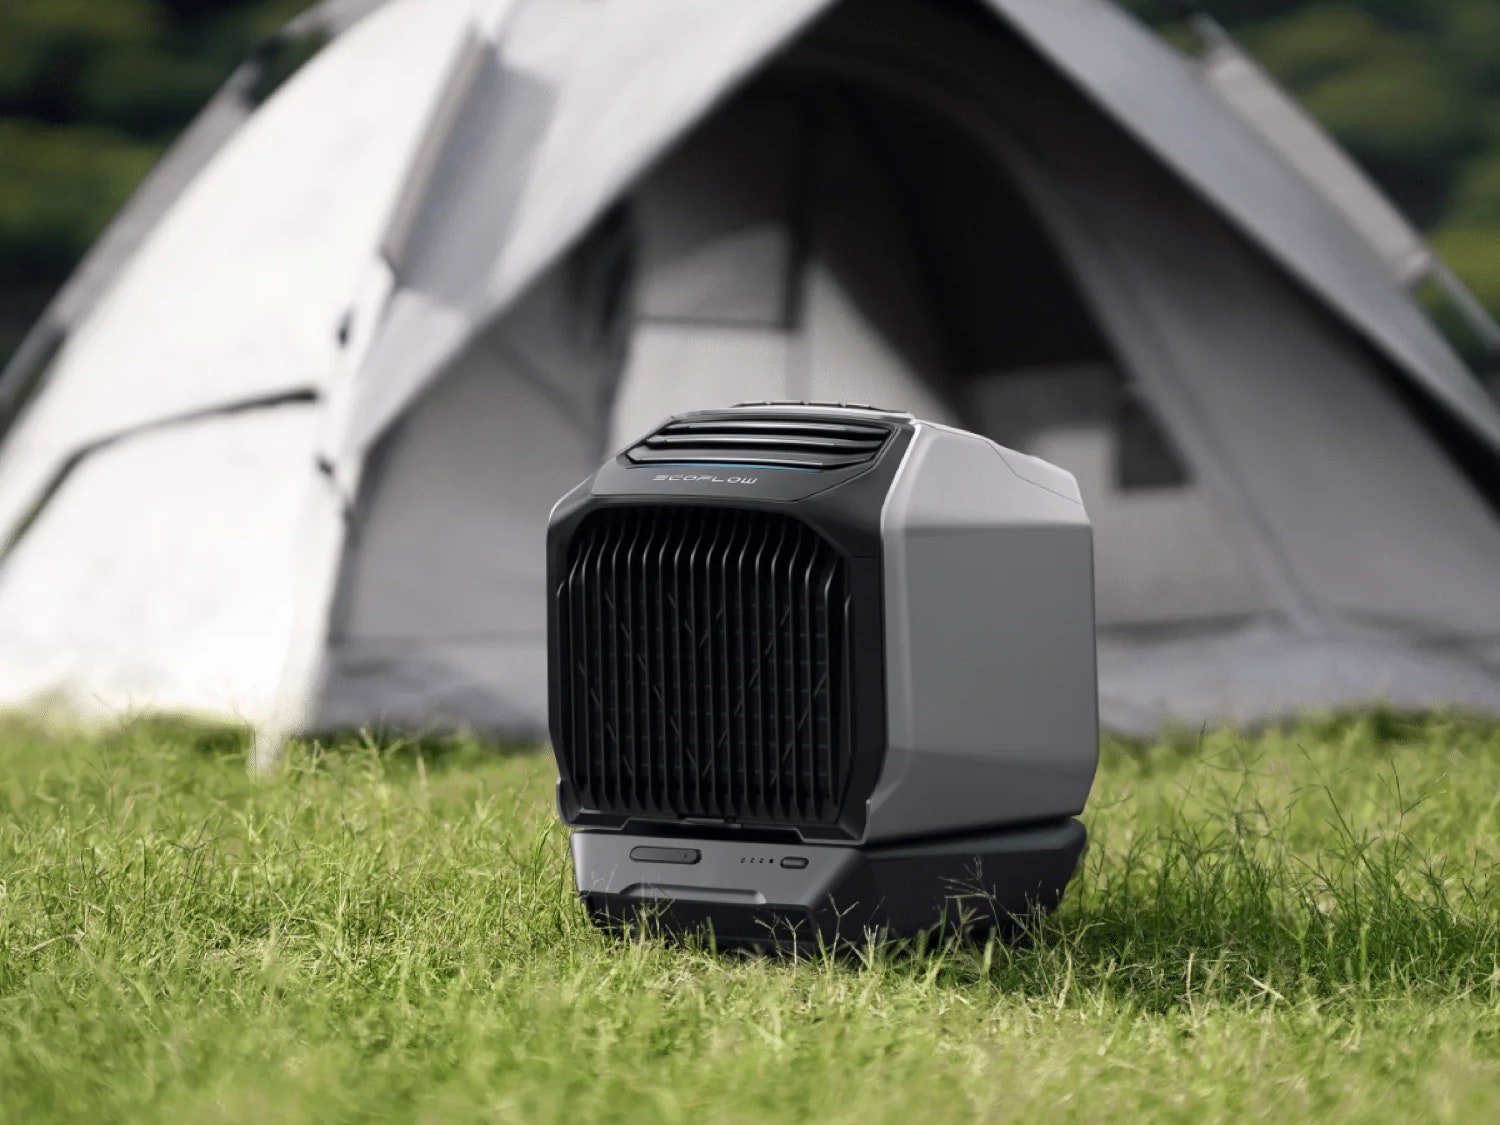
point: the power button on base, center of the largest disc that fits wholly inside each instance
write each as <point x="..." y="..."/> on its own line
<point x="796" y="862"/>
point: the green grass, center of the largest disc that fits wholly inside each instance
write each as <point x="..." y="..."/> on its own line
<point x="1300" y="926"/>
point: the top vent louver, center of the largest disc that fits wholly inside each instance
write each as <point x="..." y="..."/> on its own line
<point x="783" y="442"/>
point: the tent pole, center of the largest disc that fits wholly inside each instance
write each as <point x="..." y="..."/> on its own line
<point x="324" y="528"/>
<point x="1478" y="318"/>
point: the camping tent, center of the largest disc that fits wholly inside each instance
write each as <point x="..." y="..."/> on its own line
<point x="295" y="462"/>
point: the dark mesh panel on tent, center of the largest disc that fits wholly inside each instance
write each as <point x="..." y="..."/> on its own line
<point x="776" y="263"/>
<point x="871" y="325"/>
<point x="717" y="230"/>
<point x="1008" y="300"/>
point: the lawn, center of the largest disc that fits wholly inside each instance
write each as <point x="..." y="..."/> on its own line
<point x="1298" y="926"/>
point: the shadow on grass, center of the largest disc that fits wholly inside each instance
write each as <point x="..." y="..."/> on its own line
<point x="1221" y="908"/>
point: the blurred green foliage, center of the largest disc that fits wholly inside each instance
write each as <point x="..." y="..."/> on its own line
<point x="57" y="186"/>
<point x="92" y="90"/>
<point x="1412" y="90"/>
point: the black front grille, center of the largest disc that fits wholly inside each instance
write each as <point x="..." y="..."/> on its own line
<point x="791" y="442"/>
<point x="704" y="664"/>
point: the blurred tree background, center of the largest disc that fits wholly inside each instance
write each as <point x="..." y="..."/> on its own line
<point x="91" y="92"/>
<point x="1412" y="89"/>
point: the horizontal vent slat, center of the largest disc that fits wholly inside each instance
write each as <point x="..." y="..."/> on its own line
<point x="810" y="429"/>
<point x="747" y="441"/>
<point x="749" y="458"/>
<point x="802" y="443"/>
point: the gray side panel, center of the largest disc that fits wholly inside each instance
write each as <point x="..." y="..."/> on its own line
<point x="989" y="646"/>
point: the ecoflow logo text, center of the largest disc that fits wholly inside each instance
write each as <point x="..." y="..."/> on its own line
<point x="708" y="478"/>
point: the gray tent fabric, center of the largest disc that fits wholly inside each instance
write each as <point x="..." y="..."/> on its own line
<point x="1134" y="77"/>
<point x="1273" y="113"/>
<point x="1293" y="132"/>
<point x="1028" y="218"/>
<point x="787" y="247"/>
<point x="569" y="105"/>
<point x="442" y="620"/>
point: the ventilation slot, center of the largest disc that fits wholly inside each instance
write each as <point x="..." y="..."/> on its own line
<point x="705" y="667"/>
<point x="793" y="443"/>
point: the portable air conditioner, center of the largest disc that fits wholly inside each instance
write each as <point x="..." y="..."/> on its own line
<point x="817" y="671"/>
